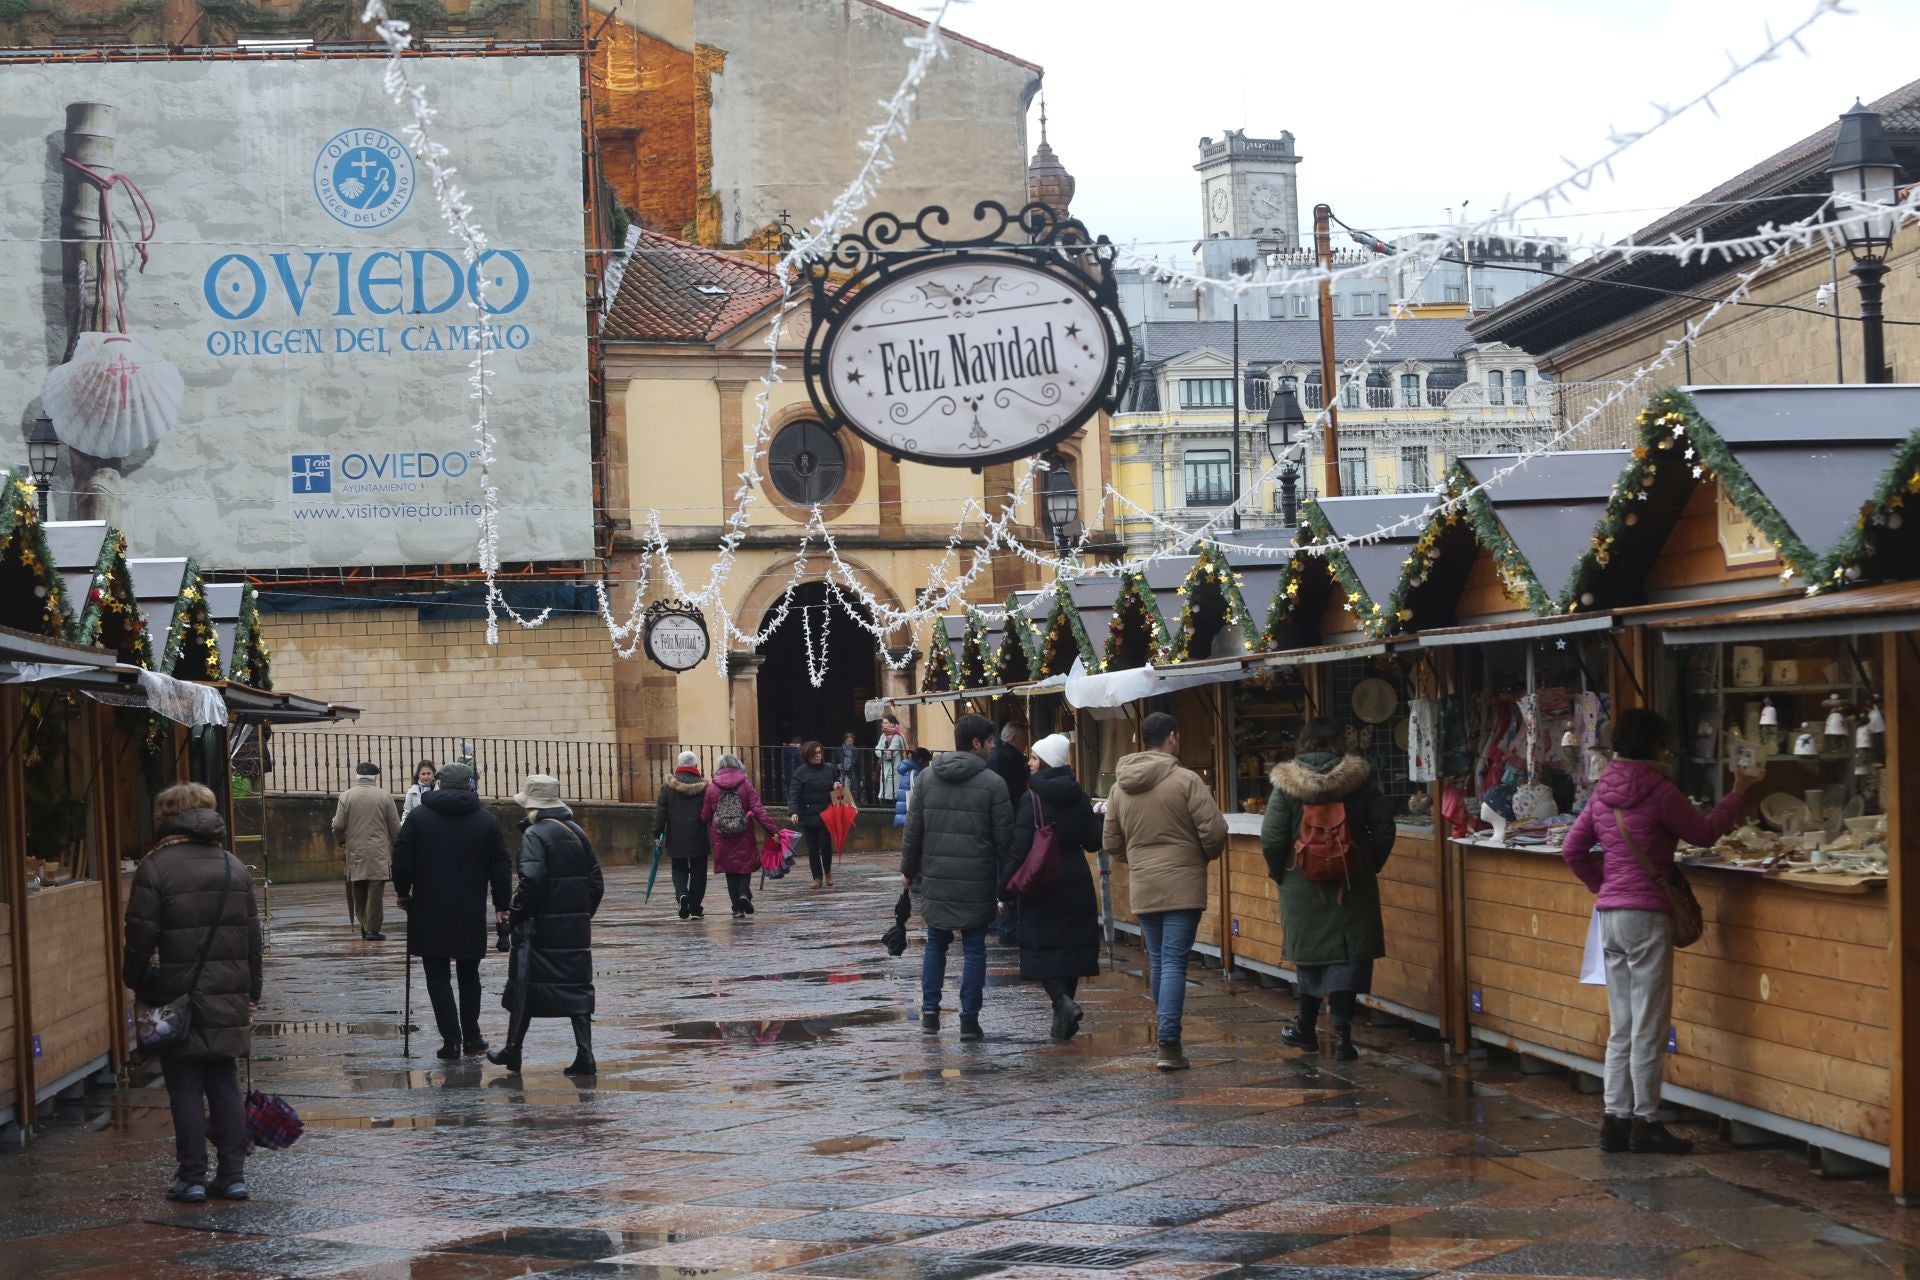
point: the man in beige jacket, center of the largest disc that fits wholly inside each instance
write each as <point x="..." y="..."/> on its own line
<point x="1163" y="823"/>
<point x="366" y="822"/>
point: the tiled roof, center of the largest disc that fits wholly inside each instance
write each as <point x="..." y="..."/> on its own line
<point x="1271" y="341"/>
<point x="677" y="292"/>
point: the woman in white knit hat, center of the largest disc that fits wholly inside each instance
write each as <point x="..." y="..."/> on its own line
<point x="1060" y="924"/>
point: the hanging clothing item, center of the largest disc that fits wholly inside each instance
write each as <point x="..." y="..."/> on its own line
<point x="1423" y="740"/>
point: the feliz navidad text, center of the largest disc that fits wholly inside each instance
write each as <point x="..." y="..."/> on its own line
<point x="922" y="366"/>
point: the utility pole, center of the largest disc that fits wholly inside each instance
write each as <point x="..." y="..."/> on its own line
<point x="1236" y="415"/>
<point x="1329" y="366"/>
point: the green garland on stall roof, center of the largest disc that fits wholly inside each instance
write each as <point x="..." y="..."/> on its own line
<point x="191" y="616"/>
<point x="939" y="675"/>
<point x="22" y="536"/>
<point x="1018" y="629"/>
<point x="1211" y="570"/>
<point x="112" y="579"/>
<point x="1492" y="535"/>
<point x="252" y="662"/>
<point x="1890" y="492"/>
<point x="1135" y="592"/>
<point x="1371" y="614"/>
<point x="979" y="663"/>
<point x="1062" y="613"/>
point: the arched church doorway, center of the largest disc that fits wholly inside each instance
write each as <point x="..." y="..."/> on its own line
<point x="792" y="710"/>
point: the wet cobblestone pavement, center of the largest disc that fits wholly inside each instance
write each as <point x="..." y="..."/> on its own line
<point x="766" y="1103"/>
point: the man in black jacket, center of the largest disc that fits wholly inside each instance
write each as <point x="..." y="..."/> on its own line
<point x="450" y="852"/>
<point x="958" y="836"/>
<point x="551" y="974"/>
<point x="1009" y="763"/>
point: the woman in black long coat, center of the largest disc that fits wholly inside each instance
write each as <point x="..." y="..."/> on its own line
<point x="809" y="792"/>
<point x="1059" y="925"/>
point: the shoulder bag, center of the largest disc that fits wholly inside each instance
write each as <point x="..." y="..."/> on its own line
<point x="1041" y="867"/>
<point x="1688" y="922"/>
<point x="161" y="1025"/>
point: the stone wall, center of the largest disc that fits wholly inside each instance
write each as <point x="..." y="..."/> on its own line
<point x="301" y="849"/>
<point x="442" y="678"/>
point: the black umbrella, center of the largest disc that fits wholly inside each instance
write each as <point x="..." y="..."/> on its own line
<point x="895" y="939"/>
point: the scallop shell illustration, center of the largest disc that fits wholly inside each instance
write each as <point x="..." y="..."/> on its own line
<point x="115" y="397"/>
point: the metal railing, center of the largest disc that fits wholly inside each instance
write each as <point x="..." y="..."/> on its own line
<point x="313" y="762"/>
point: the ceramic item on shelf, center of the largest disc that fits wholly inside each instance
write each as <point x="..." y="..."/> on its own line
<point x="1852" y="811"/>
<point x="1863" y="738"/>
<point x="1374" y="700"/>
<point x="1815" y="800"/>
<point x="1419" y="804"/>
<point x="1804" y="743"/>
<point x="1769" y="714"/>
<point x="1784" y="671"/>
<point x="1783" y="808"/>
<point x="1749" y="666"/>
<point x="1876" y="723"/>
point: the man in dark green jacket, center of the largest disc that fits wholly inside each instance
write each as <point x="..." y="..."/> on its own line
<point x="958" y="838"/>
<point x="1331" y="931"/>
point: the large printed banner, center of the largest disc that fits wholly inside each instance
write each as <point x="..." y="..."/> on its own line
<point x="228" y="286"/>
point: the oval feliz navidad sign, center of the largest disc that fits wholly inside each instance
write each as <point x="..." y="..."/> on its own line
<point x="963" y="356"/>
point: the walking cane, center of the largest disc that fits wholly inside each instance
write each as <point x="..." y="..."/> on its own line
<point x="406" y="1010"/>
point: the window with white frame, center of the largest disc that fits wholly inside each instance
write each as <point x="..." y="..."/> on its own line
<point x="1206" y="393"/>
<point x="1353" y="470"/>
<point x="1209" y="476"/>
<point x="1362" y="304"/>
<point x="1300" y="304"/>
<point x="1349" y="392"/>
<point x="1517" y="385"/>
<point x="1496" y="387"/>
<point x="1415" y="473"/>
<point x="1409" y="391"/>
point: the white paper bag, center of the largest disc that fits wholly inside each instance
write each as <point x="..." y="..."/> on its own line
<point x="1593" y="963"/>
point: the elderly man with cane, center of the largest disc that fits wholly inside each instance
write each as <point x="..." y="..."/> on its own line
<point x="451" y="851"/>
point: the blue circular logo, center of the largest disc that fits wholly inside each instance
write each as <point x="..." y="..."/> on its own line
<point x="364" y="177"/>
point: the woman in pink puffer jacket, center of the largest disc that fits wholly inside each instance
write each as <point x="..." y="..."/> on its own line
<point x="1635" y="918"/>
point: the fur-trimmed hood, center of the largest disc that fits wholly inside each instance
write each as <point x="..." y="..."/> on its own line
<point x="1321" y="777"/>
<point x="696" y="786"/>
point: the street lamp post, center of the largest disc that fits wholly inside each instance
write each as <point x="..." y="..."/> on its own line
<point x="43" y="458"/>
<point x="1863" y="172"/>
<point x="1283" y="419"/>
<point x="1062" y="501"/>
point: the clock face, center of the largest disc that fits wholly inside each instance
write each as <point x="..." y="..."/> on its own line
<point x="1266" y="199"/>
<point x="1219" y="204"/>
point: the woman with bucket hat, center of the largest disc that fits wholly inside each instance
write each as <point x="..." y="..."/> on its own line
<point x="550" y="972"/>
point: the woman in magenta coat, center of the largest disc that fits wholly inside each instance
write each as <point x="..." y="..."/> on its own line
<point x="732" y="801"/>
<point x="1636" y="806"/>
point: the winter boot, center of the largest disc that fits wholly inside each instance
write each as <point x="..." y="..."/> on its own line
<point x="1066" y="1017"/>
<point x="1650" y="1137"/>
<point x="970" y="1028"/>
<point x="1301" y="1035"/>
<point x="583" y="1063"/>
<point x="1615" y="1132"/>
<point x="1172" y="1057"/>
<point x="1343" y="1050"/>
<point x="930" y="1024"/>
<point x="507" y="1056"/>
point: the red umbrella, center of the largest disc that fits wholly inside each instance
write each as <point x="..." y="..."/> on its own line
<point x="839" y="818"/>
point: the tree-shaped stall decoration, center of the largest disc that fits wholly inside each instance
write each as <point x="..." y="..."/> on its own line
<point x="1210" y="602"/>
<point x="979" y="658"/>
<point x="1136" y="633"/>
<point x="1062" y="638"/>
<point x="1017" y="660"/>
<point x="110" y="616"/>
<point x="939" y="674"/>
<point x="32" y="596"/>
<point x="252" y="661"/>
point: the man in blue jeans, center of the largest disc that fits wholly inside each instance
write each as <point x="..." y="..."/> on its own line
<point x="958" y="839"/>
<point x="1162" y="821"/>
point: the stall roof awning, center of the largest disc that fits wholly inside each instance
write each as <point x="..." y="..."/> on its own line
<point x="1377" y="565"/>
<point x="29" y="659"/>
<point x="267" y="707"/>
<point x="1118" y="688"/>
<point x="1892" y="606"/>
<point x="1550" y="506"/>
<point x="1525" y="629"/>
<point x="1321" y="653"/>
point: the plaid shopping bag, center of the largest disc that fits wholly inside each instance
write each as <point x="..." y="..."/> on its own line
<point x="272" y="1122"/>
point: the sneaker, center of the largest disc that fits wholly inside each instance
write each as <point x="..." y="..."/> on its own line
<point x="1650" y="1137"/>
<point x="698" y="913"/>
<point x="372" y="937"/>
<point x="930" y="1024"/>
<point x="1172" y="1057"/>
<point x="685" y="910"/>
<point x="231" y="1189"/>
<point x="747" y="906"/>
<point x="1615" y="1132"/>
<point x="187" y="1193"/>
<point x="1300" y="1036"/>
<point x="447" y="1052"/>
<point x="970" y="1028"/>
<point x="739" y="914"/>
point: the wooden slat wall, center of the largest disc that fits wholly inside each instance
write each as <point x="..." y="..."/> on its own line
<point x="1485" y="594"/>
<point x="1782" y="1005"/>
<point x="1123" y="900"/>
<point x="1693" y="555"/>
<point x="69" y="971"/>
<point x="1255" y="902"/>
<point x="9" y="1078"/>
<point x="1409" y="974"/>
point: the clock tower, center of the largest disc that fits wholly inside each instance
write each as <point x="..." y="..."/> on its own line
<point x="1248" y="190"/>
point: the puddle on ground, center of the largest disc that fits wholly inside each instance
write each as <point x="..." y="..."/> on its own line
<point x="780" y="1030"/>
<point x="473" y="1075"/>
<point x="842" y="1146"/>
<point x="328" y="1029"/>
<point x="558" y="1124"/>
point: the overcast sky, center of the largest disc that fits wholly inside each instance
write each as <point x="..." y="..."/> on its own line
<point x="1402" y="108"/>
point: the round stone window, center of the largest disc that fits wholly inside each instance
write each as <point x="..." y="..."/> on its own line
<point x="806" y="463"/>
